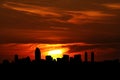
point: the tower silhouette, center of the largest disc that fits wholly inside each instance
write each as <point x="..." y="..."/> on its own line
<point x="37" y="55"/>
<point x="86" y="57"/>
<point x="16" y="58"/>
<point x="92" y="57"/>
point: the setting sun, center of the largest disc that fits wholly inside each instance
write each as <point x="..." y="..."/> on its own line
<point x="58" y="53"/>
<point x="55" y="52"/>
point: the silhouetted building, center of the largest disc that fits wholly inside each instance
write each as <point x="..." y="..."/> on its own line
<point x="71" y="60"/>
<point x="16" y="58"/>
<point x="49" y="58"/>
<point x="6" y="62"/>
<point x="65" y="59"/>
<point x="37" y="55"/>
<point x="27" y="60"/>
<point x="77" y="58"/>
<point x="86" y="57"/>
<point x="92" y="57"/>
<point x="59" y="60"/>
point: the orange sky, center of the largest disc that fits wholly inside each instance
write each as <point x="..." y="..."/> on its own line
<point x="60" y="21"/>
<point x="102" y="51"/>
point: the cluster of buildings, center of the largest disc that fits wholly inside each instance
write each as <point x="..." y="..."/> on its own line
<point x="49" y="60"/>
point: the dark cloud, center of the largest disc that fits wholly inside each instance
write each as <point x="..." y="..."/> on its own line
<point x="75" y="21"/>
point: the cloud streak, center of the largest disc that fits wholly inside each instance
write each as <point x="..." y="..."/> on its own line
<point x="43" y="11"/>
<point x="112" y="5"/>
<point x="59" y="15"/>
<point x="83" y="17"/>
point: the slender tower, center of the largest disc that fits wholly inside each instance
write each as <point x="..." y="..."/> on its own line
<point x="86" y="57"/>
<point x="37" y="55"/>
<point x="16" y="58"/>
<point x="92" y="57"/>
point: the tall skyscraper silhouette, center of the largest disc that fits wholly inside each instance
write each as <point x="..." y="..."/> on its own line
<point x="92" y="57"/>
<point x="86" y="57"/>
<point x="37" y="54"/>
<point x="16" y="58"/>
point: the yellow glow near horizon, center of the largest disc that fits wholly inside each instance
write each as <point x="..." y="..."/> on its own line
<point x="57" y="53"/>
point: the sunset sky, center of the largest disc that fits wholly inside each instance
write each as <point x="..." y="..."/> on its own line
<point x="74" y="25"/>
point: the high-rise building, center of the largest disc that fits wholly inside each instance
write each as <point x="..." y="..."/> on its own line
<point x="16" y="58"/>
<point x="86" y="57"/>
<point x="92" y="57"/>
<point x="37" y="54"/>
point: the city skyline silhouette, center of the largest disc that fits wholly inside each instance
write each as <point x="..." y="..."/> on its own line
<point x="66" y="59"/>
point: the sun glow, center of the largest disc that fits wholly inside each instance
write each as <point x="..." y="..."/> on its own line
<point x="58" y="53"/>
<point x="55" y="52"/>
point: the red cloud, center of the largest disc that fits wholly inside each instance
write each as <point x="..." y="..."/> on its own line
<point x="112" y="6"/>
<point x="51" y="14"/>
